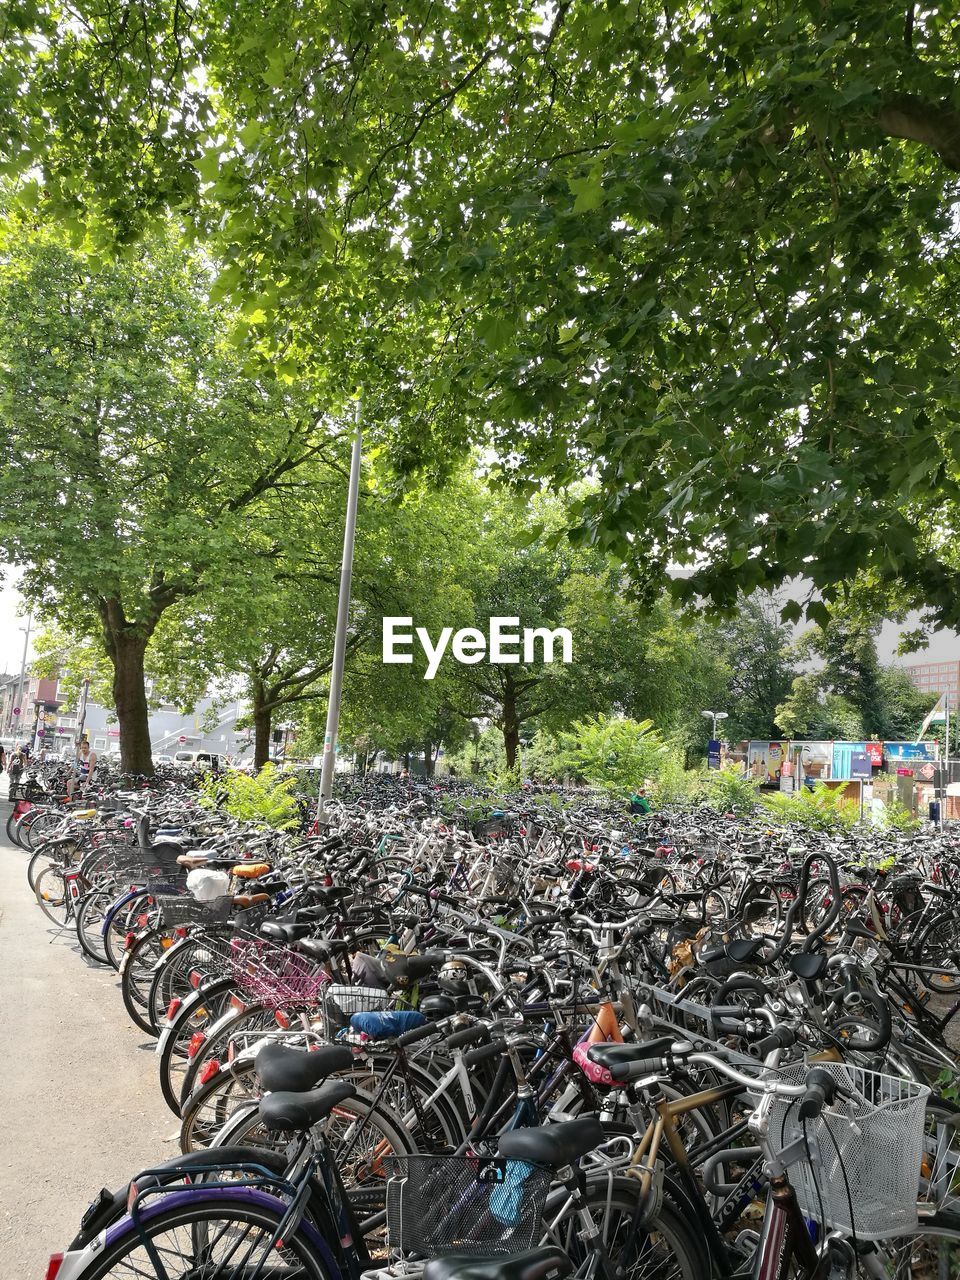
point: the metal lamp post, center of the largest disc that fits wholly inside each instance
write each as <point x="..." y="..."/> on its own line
<point x="343" y="616"/>
<point x="715" y="716"/>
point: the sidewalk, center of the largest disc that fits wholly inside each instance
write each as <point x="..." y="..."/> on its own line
<point x="82" y="1105"/>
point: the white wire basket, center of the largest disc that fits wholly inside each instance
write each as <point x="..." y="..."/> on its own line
<point x="359" y="999"/>
<point x="862" y="1173"/>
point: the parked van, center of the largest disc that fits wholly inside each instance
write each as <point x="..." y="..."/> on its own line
<point x="198" y="760"/>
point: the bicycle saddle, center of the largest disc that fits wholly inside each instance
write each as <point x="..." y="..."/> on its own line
<point x="323" y="949"/>
<point x="554" y="1144"/>
<point x="620" y="1055"/>
<point x="282" y="1069"/>
<point x="548" y="1263"/>
<point x="744" y="950"/>
<point x="303" y="1110"/>
<point x="400" y="969"/>
<point x="807" y="965"/>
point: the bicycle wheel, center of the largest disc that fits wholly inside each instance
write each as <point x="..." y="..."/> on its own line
<point x="49" y="854"/>
<point x="139" y="913"/>
<point x="662" y="1246"/>
<point x="213" y="1234"/>
<point x="173" y="976"/>
<point x="940" y="942"/>
<point x="215" y="1103"/>
<point x="137" y="972"/>
<point x="184" y="1037"/>
<point x="52" y="895"/>
<point x="238" y="1020"/>
<point x="89" y="922"/>
<point x="931" y="1254"/>
<point x="760" y="910"/>
<point x="360" y="1135"/>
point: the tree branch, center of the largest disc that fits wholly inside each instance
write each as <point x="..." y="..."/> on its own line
<point x="934" y="125"/>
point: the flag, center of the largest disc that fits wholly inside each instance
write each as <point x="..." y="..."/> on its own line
<point x="939" y="712"/>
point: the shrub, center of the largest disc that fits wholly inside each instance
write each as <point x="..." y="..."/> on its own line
<point x="613" y="753"/>
<point x="265" y="798"/>
<point x="822" y="809"/>
<point x="730" y="790"/>
<point x="895" y="816"/>
<point x="676" y="785"/>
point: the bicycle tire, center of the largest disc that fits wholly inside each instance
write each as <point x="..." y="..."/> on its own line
<point x="52" y="896"/>
<point x="947" y="926"/>
<point x="129" y="917"/>
<point x="89" y="924"/>
<point x="299" y="1254"/>
<point x="666" y="1239"/>
<point x="136" y="975"/>
<point x="195" y="1014"/>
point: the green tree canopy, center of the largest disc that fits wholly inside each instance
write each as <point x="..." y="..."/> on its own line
<point x="707" y="251"/>
<point x="139" y="452"/>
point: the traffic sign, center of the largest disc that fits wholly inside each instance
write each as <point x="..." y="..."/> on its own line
<point x="16" y="711"/>
<point x="182" y="738"/>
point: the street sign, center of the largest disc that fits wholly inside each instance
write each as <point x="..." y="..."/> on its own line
<point x="182" y="738"/>
<point x="713" y="754"/>
<point x="16" y="711"/>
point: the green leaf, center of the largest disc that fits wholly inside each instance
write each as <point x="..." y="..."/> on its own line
<point x="588" y="191"/>
<point x="251" y="134"/>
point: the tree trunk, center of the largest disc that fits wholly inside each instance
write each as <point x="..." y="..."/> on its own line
<point x="511" y="725"/>
<point x="127" y="651"/>
<point x="262" y="723"/>
<point x="429" y="760"/>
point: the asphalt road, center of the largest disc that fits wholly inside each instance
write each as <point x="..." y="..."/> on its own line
<point x="80" y="1103"/>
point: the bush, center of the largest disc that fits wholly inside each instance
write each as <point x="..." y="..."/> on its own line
<point x="265" y="799"/>
<point x="676" y="785"/>
<point x="897" y="817"/>
<point x="615" y="754"/>
<point x="822" y="809"/>
<point x="730" y="790"/>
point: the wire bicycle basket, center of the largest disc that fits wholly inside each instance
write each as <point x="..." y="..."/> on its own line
<point x="464" y="1204"/>
<point x="183" y="909"/>
<point x="277" y="976"/>
<point x="859" y="1161"/>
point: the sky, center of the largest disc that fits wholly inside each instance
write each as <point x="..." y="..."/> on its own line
<point x="11" y="637"/>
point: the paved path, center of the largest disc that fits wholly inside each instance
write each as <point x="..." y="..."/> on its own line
<point x="81" y="1106"/>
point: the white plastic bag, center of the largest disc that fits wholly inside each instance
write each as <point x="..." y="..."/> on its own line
<point x="208" y="885"/>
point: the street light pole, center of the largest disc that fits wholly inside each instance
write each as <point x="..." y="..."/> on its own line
<point x="715" y="716"/>
<point x="23" y="670"/>
<point x="343" y="617"/>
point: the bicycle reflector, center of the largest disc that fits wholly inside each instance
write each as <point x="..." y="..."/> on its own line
<point x="210" y="1069"/>
<point x="172" y="1007"/>
<point x="129" y="941"/>
<point x="196" y="1041"/>
<point x="54" y="1265"/>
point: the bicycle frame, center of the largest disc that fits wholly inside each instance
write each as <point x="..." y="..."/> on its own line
<point x="784" y="1239"/>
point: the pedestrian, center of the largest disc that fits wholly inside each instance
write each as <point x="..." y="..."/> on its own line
<point x="3" y="758"/>
<point x="639" y="802"/>
<point x="14" y="770"/>
<point x="83" y="768"/>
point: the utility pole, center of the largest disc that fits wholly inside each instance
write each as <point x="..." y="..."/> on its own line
<point x="23" y="669"/>
<point x="343" y="617"/>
